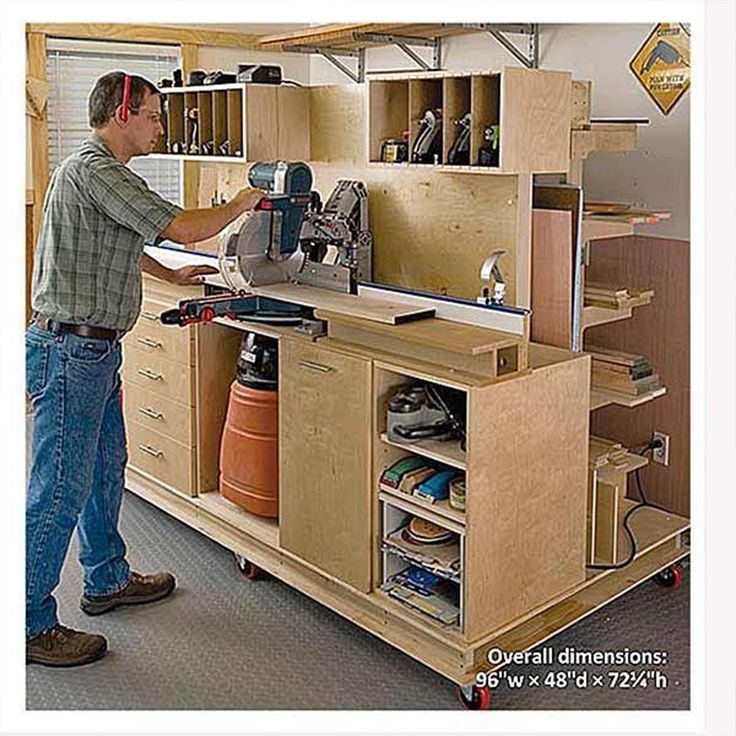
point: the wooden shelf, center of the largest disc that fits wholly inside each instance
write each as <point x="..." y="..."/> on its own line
<point x="650" y="527"/>
<point x="264" y="529"/>
<point x="348" y="36"/>
<point x="595" y="315"/>
<point x="439" y="512"/>
<point x="448" y="453"/>
<point x="612" y="137"/>
<point x="441" y="168"/>
<point x="600" y="397"/>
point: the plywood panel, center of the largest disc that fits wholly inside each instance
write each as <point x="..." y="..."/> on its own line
<point x="261" y="120"/>
<point x="535" y="120"/>
<point x="432" y="231"/>
<point x="552" y="277"/>
<point x="527" y="491"/>
<point x="660" y="331"/>
<point x="293" y="128"/>
<point x="324" y="459"/>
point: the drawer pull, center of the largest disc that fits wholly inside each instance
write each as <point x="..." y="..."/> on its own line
<point x="150" y="316"/>
<point x="150" y="374"/>
<point x="150" y="412"/>
<point x="148" y="342"/>
<point x="315" y="366"/>
<point x="150" y="451"/>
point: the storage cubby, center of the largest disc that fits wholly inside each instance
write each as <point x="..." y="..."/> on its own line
<point x="388" y="114"/>
<point x="175" y="124"/>
<point x="456" y="105"/>
<point x="235" y="122"/>
<point x="191" y="124"/>
<point x="439" y="567"/>
<point x="219" y="122"/>
<point x="205" y="137"/>
<point x="425" y="95"/>
<point x="485" y="104"/>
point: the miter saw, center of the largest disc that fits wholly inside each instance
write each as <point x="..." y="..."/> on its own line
<point x="288" y="237"/>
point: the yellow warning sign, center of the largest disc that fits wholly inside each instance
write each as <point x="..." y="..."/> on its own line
<point x="662" y="64"/>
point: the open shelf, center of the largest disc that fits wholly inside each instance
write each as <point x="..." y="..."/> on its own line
<point x="599" y="315"/>
<point x="600" y="397"/>
<point x="440" y="512"/>
<point x="448" y="452"/>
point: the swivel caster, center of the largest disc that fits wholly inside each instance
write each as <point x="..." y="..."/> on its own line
<point x="670" y="577"/>
<point x="474" y="697"/>
<point x="248" y="570"/>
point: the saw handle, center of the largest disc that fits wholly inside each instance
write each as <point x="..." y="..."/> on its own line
<point x="171" y="317"/>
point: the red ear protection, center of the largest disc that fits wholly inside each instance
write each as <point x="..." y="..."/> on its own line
<point x="126" y="99"/>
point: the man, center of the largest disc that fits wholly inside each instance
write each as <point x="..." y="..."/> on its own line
<point x="86" y="295"/>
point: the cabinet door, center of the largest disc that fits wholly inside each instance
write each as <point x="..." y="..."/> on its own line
<point x="324" y="459"/>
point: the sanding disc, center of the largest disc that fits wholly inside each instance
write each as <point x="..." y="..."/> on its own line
<point x="426" y="532"/>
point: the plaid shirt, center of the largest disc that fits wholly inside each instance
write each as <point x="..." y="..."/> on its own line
<point x="96" y="218"/>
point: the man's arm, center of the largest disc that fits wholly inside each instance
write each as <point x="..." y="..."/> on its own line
<point x="185" y="276"/>
<point x="190" y="226"/>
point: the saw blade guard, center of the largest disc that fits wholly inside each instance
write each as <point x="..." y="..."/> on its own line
<point x="245" y="256"/>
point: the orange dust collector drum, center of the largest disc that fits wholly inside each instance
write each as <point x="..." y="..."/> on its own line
<point x="249" y="469"/>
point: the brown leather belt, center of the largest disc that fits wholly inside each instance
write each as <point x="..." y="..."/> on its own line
<point x="97" y="333"/>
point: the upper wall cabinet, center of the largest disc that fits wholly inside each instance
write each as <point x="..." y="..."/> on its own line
<point x="508" y="122"/>
<point x="246" y="122"/>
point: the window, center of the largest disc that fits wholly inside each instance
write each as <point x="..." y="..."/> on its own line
<point x="72" y="67"/>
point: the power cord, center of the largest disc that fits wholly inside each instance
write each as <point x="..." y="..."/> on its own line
<point x="649" y="447"/>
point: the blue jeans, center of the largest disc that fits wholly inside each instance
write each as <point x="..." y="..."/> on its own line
<point x="78" y="460"/>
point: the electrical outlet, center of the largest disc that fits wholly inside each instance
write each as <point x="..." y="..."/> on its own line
<point x="661" y="454"/>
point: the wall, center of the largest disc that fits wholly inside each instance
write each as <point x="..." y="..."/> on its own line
<point x="655" y="175"/>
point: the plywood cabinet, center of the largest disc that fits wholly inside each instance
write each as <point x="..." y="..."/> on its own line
<point x="324" y="459"/>
<point x="519" y="118"/>
<point x="247" y="122"/>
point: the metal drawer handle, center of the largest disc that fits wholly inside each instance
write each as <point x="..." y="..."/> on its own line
<point x="150" y="451"/>
<point x="315" y="366"/>
<point x="150" y="374"/>
<point x="150" y="343"/>
<point x="150" y="412"/>
<point x="150" y="316"/>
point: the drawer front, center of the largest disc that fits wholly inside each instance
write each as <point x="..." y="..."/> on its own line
<point x="165" y="459"/>
<point x="150" y="336"/>
<point x="158" y="413"/>
<point x="157" y="374"/>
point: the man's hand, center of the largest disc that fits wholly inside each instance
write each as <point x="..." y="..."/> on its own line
<point x="247" y="198"/>
<point x="190" y="275"/>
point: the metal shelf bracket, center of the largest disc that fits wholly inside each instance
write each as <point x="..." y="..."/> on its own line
<point x="404" y="43"/>
<point x="331" y="55"/>
<point x="530" y="59"/>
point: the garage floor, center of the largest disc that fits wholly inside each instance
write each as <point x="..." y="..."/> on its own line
<point x="224" y="643"/>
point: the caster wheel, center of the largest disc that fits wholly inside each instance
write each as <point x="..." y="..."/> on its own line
<point x="670" y="577"/>
<point x="248" y="570"/>
<point x="474" y="697"/>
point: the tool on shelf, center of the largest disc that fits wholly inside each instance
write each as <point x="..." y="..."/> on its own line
<point x="394" y="150"/>
<point x="428" y="145"/>
<point x="494" y="289"/>
<point x="459" y="153"/>
<point x="488" y="153"/>
<point x="426" y="411"/>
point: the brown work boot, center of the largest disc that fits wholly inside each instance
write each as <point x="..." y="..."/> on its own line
<point x="64" y="647"/>
<point x="140" y="589"/>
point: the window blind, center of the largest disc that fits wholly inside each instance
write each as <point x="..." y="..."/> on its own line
<point x="72" y="69"/>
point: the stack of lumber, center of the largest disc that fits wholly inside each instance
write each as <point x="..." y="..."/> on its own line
<point x="603" y="452"/>
<point x="624" y="373"/>
<point x="611" y="297"/>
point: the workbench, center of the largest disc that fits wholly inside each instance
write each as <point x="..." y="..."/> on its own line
<point x="523" y="574"/>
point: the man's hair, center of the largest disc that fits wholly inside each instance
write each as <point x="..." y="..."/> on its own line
<point x="107" y="95"/>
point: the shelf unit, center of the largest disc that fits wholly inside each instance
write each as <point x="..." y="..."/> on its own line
<point x="527" y="108"/>
<point x="235" y="122"/>
<point x="490" y="592"/>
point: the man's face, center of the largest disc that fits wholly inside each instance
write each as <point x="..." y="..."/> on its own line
<point x="144" y="124"/>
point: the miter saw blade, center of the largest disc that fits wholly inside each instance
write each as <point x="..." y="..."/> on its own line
<point x="245" y="256"/>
